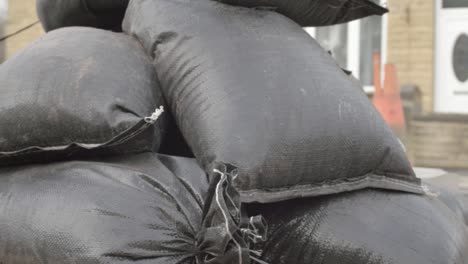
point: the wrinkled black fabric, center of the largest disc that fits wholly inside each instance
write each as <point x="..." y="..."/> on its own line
<point x="127" y="209"/>
<point x="174" y="143"/>
<point x="78" y="92"/>
<point x="251" y="88"/>
<point x="105" y="14"/>
<point x="364" y="227"/>
<point x="313" y="13"/>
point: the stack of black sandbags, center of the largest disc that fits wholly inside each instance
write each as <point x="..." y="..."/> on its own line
<point x="142" y="208"/>
<point x="276" y="128"/>
<point x="81" y="120"/>
<point x="249" y="88"/>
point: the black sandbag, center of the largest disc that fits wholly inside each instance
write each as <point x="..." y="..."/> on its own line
<point x="105" y="14"/>
<point x="313" y="13"/>
<point x="78" y="92"/>
<point x="252" y="89"/>
<point x="131" y="209"/>
<point x="451" y="199"/>
<point x="364" y="227"/>
<point x="448" y="188"/>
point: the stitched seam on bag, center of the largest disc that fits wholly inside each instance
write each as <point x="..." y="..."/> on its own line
<point x="371" y="5"/>
<point x="376" y="6"/>
<point x="147" y="122"/>
<point x="382" y="178"/>
<point x="104" y="145"/>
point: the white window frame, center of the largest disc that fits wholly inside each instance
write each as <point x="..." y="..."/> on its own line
<point x="3" y="24"/>
<point x="353" y="49"/>
<point x="3" y="10"/>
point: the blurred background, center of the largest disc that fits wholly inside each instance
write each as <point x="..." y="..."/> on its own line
<point x="426" y="40"/>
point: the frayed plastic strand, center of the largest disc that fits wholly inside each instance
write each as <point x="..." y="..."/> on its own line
<point x="228" y="234"/>
<point x="154" y="116"/>
<point x="256" y="260"/>
<point x="225" y="214"/>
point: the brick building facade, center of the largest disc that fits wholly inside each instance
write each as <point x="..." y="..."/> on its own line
<point x="421" y="42"/>
<point x="419" y="37"/>
<point x="411" y="45"/>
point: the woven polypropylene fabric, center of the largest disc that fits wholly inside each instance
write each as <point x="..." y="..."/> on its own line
<point x="252" y="89"/>
<point x="364" y="227"/>
<point x="313" y="13"/>
<point x="143" y="209"/>
<point x="78" y="92"/>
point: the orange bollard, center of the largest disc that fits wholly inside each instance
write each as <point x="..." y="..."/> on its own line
<point x="377" y="70"/>
<point x="389" y="102"/>
<point x="378" y="93"/>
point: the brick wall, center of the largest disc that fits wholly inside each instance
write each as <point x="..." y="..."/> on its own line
<point x="411" y="44"/>
<point x="20" y="14"/>
<point x="440" y="141"/>
<point x="434" y="140"/>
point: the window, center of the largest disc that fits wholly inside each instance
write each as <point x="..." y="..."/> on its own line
<point x="3" y="10"/>
<point x="370" y="41"/>
<point x="353" y="45"/>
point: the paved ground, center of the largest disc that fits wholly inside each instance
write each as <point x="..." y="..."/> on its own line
<point x="456" y="180"/>
<point x="463" y="173"/>
<point x="453" y="180"/>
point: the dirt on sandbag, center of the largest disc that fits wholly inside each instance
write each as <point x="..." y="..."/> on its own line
<point x="130" y="209"/>
<point x="78" y="92"/>
<point x="364" y="227"/>
<point x="252" y="89"/>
